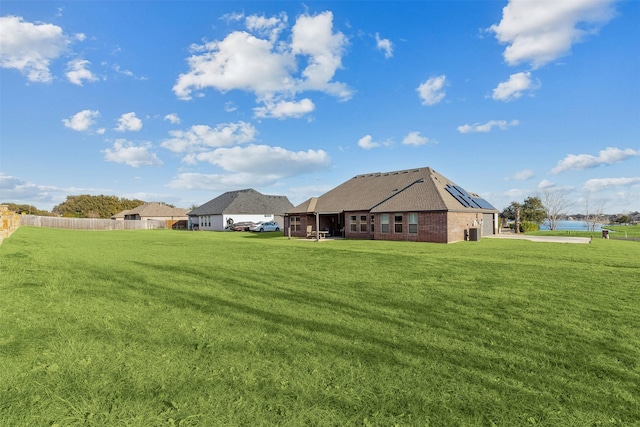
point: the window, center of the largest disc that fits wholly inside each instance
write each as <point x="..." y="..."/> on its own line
<point x="413" y="222"/>
<point x="352" y="224"/>
<point x="295" y="223"/>
<point x="397" y="223"/>
<point x="373" y="221"/>
<point x="384" y="223"/>
<point x="363" y="223"/>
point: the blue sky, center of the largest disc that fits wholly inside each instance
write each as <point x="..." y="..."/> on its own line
<point x="180" y="101"/>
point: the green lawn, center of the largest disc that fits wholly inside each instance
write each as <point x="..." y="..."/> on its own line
<point x="616" y="232"/>
<point x="153" y="328"/>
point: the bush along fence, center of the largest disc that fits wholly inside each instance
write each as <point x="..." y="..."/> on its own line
<point x="9" y="222"/>
<point x="91" y="224"/>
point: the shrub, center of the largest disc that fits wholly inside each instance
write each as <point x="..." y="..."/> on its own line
<point x="526" y="226"/>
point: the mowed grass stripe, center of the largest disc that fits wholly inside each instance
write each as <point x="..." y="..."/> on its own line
<point x="195" y="328"/>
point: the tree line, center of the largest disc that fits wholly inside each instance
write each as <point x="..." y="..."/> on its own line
<point x="551" y="207"/>
<point x="82" y="206"/>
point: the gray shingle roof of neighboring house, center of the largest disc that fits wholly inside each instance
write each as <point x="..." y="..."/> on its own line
<point x="421" y="189"/>
<point x="247" y="201"/>
<point x="153" y="209"/>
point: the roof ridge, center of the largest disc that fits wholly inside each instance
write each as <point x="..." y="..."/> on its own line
<point x="397" y="192"/>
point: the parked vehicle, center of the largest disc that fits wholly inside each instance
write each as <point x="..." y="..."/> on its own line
<point x="240" y="226"/>
<point x="265" y="226"/>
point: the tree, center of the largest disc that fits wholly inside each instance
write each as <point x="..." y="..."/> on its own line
<point x="624" y="219"/>
<point x="26" y="209"/>
<point x="533" y="210"/>
<point x="88" y="206"/>
<point x="555" y="203"/>
<point x="594" y="214"/>
<point x="510" y="211"/>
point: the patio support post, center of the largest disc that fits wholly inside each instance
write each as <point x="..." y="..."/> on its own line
<point x="317" y="226"/>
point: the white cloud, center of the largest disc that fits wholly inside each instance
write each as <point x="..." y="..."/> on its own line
<point x="240" y="61"/>
<point x="313" y="37"/>
<point x="384" y="45"/>
<point x="604" y="183"/>
<point x="265" y="160"/>
<point x="17" y="190"/>
<point x="514" y="87"/>
<point x="214" y="182"/>
<point x="129" y="122"/>
<point x="254" y="165"/>
<point x="523" y="175"/>
<point x="269" y="67"/>
<point x="203" y="137"/>
<point x="432" y="91"/>
<point x="367" y="143"/>
<point x="414" y="138"/>
<point x="77" y="72"/>
<point x="270" y="27"/>
<point x="607" y="156"/>
<point x="30" y="47"/>
<point x="172" y="118"/>
<point x="538" y="32"/>
<point x="233" y="16"/>
<point x="81" y="121"/>
<point x="284" y="109"/>
<point x="127" y="152"/>
<point x="487" y="127"/>
<point x="546" y="184"/>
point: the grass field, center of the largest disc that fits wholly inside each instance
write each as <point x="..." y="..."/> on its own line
<point x="161" y="328"/>
<point x="616" y="232"/>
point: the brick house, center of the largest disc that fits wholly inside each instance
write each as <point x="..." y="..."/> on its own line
<point x="414" y="205"/>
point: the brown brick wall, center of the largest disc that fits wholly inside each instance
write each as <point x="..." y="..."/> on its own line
<point x="458" y="222"/>
<point x="436" y="227"/>
<point x="358" y="234"/>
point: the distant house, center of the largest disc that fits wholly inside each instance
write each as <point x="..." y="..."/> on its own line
<point x="415" y="205"/>
<point x="175" y="217"/>
<point x="238" y="206"/>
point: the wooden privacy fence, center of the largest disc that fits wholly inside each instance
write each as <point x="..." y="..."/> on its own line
<point x="91" y="224"/>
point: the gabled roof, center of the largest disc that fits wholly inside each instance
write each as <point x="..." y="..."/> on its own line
<point x="247" y="201"/>
<point x="421" y="189"/>
<point x="155" y="209"/>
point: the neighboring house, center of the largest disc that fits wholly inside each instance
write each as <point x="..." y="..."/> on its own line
<point x="238" y="206"/>
<point x="175" y="217"/>
<point x="416" y="205"/>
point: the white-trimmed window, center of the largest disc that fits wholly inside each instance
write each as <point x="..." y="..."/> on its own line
<point x="412" y="220"/>
<point x="384" y="223"/>
<point x="295" y="223"/>
<point x="397" y="223"/>
<point x="353" y="227"/>
<point x="373" y="221"/>
<point x="363" y="223"/>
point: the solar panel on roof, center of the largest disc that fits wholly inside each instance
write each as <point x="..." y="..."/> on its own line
<point x="467" y="200"/>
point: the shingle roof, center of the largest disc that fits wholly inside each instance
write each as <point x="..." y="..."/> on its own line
<point x="154" y="209"/>
<point x="421" y="189"/>
<point x="247" y="201"/>
<point x="157" y="209"/>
